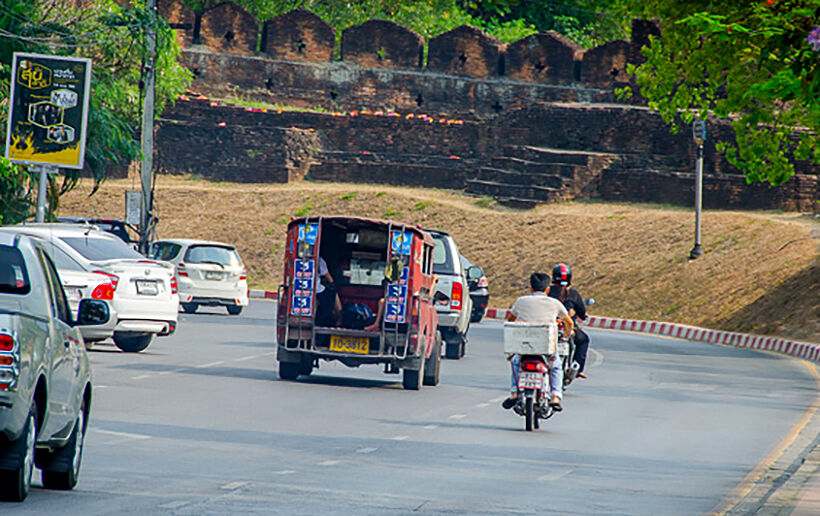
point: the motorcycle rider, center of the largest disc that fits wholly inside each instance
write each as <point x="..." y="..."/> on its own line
<point x="538" y="307"/>
<point x="574" y="303"/>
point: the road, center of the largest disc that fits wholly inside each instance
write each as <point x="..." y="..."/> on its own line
<point x="201" y="424"/>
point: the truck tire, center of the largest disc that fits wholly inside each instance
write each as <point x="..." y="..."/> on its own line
<point x="412" y="378"/>
<point x="15" y="483"/>
<point x="234" y="310"/>
<point x="188" y="308"/>
<point x="132" y="342"/>
<point x="63" y="467"/>
<point x="289" y="370"/>
<point x="456" y="345"/>
<point x="433" y="366"/>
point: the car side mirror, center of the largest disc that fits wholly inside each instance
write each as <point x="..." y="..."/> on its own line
<point x="589" y="301"/>
<point x="392" y="271"/>
<point x="92" y="312"/>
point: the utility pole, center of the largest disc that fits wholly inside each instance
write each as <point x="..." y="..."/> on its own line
<point x="699" y="135"/>
<point x="147" y="135"/>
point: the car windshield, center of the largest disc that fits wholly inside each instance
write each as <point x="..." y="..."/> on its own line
<point x="442" y="258"/>
<point x="99" y="248"/>
<point x="212" y="254"/>
<point x="13" y="273"/>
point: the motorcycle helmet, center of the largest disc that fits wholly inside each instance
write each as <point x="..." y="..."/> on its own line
<point x="561" y="275"/>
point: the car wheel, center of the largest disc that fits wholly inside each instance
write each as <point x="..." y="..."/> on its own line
<point x="131" y="342"/>
<point x="16" y="483"/>
<point x="412" y="378"/>
<point x="432" y="368"/>
<point x="455" y="346"/>
<point x="63" y="467"/>
<point x="289" y="370"/>
<point x="234" y="310"/>
<point x="188" y="308"/>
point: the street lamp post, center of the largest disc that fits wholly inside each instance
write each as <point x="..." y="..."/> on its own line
<point x="699" y="135"/>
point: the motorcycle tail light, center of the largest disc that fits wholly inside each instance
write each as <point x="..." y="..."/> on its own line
<point x="114" y="279"/>
<point x="174" y="286"/>
<point x="6" y="342"/>
<point x="104" y="291"/>
<point x="483" y="283"/>
<point x="456" y="295"/>
<point x="181" y="270"/>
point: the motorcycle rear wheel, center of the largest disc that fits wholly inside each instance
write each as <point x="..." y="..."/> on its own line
<point x="529" y="414"/>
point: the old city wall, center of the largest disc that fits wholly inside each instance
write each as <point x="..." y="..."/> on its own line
<point x="541" y="91"/>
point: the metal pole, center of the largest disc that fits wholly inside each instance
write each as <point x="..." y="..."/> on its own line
<point x="698" y="250"/>
<point x="147" y="136"/>
<point x="41" y="194"/>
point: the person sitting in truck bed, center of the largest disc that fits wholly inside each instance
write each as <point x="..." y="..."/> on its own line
<point x="328" y="304"/>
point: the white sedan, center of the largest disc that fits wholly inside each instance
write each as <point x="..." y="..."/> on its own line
<point x="141" y="292"/>
<point x="208" y="273"/>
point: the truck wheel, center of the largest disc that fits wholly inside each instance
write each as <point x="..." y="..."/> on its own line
<point x="289" y="370"/>
<point x="455" y="346"/>
<point x="188" y="308"/>
<point x="433" y="366"/>
<point x="63" y="468"/>
<point x="15" y="483"/>
<point x="132" y="342"/>
<point x="234" y="310"/>
<point x="412" y="378"/>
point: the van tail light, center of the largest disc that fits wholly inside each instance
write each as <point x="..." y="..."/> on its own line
<point x="455" y="296"/>
<point x="174" y="286"/>
<point x="114" y="279"/>
<point x="9" y="358"/>
<point x="181" y="270"/>
<point x="482" y="283"/>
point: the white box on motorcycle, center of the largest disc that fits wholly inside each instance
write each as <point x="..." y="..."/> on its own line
<point x="524" y="338"/>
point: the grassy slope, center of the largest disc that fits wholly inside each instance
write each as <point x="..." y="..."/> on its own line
<point x="760" y="271"/>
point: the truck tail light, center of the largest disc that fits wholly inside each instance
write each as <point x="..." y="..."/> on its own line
<point x="104" y="291"/>
<point x="6" y="342"/>
<point x="174" y="286"/>
<point x="181" y="270"/>
<point x="113" y="278"/>
<point x="456" y="295"/>
<point x="9" y="369"/>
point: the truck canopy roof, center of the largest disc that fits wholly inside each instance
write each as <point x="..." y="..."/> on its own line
<point x="362" y="222"/>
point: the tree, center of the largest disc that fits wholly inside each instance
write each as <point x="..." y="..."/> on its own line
<point x="755" y="63"/>
<point x="113" y="37"/>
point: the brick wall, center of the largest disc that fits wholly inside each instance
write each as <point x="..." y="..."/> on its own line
<point x="382" y="44"/>
<point x="298" y="36"/>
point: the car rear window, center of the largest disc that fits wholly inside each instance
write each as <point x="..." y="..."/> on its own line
<point x="212" y="254"/>
<point x="164" y="251"/>
<point x="442" y="258"/>
<point x="95" y="248"/>
<point x="13" y="273"/>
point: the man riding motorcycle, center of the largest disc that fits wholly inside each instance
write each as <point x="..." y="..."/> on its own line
<point x="574" y="303"/>
<point x="538" y="307"/>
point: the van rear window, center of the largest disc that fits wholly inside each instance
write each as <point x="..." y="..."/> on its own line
<point x="13" y="273"/>
<point x="442" y="259"/>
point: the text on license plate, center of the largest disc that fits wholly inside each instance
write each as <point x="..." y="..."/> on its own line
<point x="344" y="344"/>
<point x="530" y="380"/>
<point x="213" y="275"/>
<point x="147" y="288"/>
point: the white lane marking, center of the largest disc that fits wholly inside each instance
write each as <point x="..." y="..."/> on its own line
<point x="400" y="438"/>
<point x="233" y="485"/>
<point x="551" y="477"/>
<point x="141" y="377"/>
<point x="498" y="399"/>
<point x="482" y="405"/>
<point x="249" y="357"/>
<point x="430" y="427"/>
<point x="366" y="450"/>
<point x="218" y="362"/>
<point x="284" y="472"/>
<point x="457" y="416"/>
<point x="121" y="434"/>
<point x="101" y="386"/>
<point x="599" y="357"/>
<point x="173" y="505"/>
<point x="328" y="463"/>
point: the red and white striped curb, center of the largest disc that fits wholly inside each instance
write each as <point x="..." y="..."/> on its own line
<point x="804" y="350"/>
<point x="262" y="294"/>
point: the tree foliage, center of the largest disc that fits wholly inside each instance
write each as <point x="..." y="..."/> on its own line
<point x="113" y="36"/>
<point x="752" y="62"/>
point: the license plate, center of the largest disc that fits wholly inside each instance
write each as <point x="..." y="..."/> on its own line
<point x="147" y="288"/>
<point x="213" y="275"/>
<point x="530" y="380"/>
<point x="73" y="293"/>
<point x="360" y="345"/>
<point x="563" y="348"/>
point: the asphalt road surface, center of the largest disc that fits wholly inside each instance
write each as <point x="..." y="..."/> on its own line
<point x="200" y="423"/>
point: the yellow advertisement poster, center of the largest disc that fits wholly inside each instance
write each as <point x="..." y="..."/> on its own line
<point x="49" y="110"/>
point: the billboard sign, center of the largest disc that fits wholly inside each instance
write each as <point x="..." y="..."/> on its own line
<point x="49" y="110"/>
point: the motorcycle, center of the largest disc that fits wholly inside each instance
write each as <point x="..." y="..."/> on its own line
<point x="534" y="343"/>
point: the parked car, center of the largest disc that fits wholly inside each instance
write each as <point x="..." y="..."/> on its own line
<point x="207" y="273"/>
<point x="479" y="289"/>
<point x="119" y="228"/>
<point x="454" y="306"/>
<point x="142" y="292"/>
<point x="45" y="376"/>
